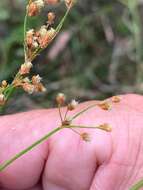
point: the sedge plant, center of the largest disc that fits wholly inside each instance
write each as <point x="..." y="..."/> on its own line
<point x="35" y="41"/>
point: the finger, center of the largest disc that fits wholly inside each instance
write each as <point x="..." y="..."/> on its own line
<point x="37" y="187"/>
<point x="17" y="133"/>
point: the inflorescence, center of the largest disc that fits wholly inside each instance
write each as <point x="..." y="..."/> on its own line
<point x="67" y="122"/>
<point x="35" y="40"/>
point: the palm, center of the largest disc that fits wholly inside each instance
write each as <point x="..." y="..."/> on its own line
<point x="109" y="161"/>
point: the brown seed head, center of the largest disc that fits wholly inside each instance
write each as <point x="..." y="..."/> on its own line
<point x="116" y="99"/>
<point x="25" y="68"/>
<point x="69" y="3"/>
<point x="106" y="127"/>
<point x="40" y="3"/>
<point x="51" y="17"/>
<point x="40" y="87"/>
<point x="85" y="137"/>
<point x="105" y="105"/>
<point x="4" y="83"/>
<point x="36" y="79"/>
<point x="60" y="99"/>
<point x="32" y="9"/>
<point x="28" y="88"/>
<point x="71" y="106"/>
<point x="46" y="38"/>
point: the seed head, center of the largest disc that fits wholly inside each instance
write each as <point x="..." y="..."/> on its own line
<point x="105" y="105"/>
<point x="60" y="99"/>
<point x="26" y="80"/>
<point x="32" y="9"/>
<point x="45" y="39"/>
<point x="4" y="83"/>
<point x="35" y="44"/>
<point x="71" y="106"/>
<point x="116" y="99"/>
<point x="36" y="79"/>
<point x="25" y="68"/>
<point x="69" y="3"/>
<point x="51" y="17"/>
<point x="43" y="31"/>
<point x="40" y="87"/>
<point x="106" y="127"/>
<point x="28" y="88"/>
<point x="35" y="7"/>
<point x="29" y="37"/>
<point x="85" y="137"/>
<point x="40" y="3"/>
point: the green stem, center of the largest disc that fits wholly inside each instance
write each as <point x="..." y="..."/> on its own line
<point x="84" y="110"/>
<point x="137" y="186"/>
<point x="25" y="30"/>
<point x="8" y="162"/>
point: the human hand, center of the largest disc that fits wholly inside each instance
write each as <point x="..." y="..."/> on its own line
<point x="111" y="161"/>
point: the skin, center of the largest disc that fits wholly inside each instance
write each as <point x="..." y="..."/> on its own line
<point x="110" y="161"/>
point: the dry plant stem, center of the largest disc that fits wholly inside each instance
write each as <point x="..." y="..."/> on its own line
<point x="84" y="110"/>
<point x="75" y="131"/>
<point x="80" y="127"/>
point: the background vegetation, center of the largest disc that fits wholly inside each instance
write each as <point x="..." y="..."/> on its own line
<point x="98" y="53"/>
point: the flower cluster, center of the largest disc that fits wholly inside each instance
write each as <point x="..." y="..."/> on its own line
<point x="67" y="122"/>
<point x="34" y="7"/>
<point x="60" y="99"/>
<point x="30" y="86"/>
<point x="39" y="39"/>
<point x="107" y="104"/>
<point x="35" y="40"/>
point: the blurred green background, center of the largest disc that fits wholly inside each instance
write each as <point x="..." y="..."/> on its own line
<point x="98" y="53"/>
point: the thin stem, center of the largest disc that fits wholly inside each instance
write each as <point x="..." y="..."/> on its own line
<point x="25" y="30"/>
<point x="80" y="127"/>
<point x="8" y="162"/>
<point x="137" y="186"/>
<point x="75" y="131"/>
<point x="59" y="108"/>
<point x="84" y="110"/>
<point x="66" y="114"/>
